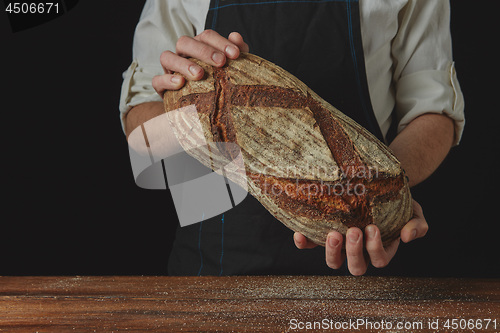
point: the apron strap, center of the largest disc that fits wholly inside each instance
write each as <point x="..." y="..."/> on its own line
<point x="317" y="41"/>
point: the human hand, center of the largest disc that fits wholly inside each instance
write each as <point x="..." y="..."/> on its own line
<point x="209" y="47"/>
<point x="359" y="254"/>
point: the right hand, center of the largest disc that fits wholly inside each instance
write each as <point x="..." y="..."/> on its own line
<point x="361" y="248"/>
<point x="209" y="47"/>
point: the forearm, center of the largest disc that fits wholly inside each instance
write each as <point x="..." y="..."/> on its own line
<point x="422" y="146"/>
<point x="141" y="113"/>
<point x="160" y="136"/>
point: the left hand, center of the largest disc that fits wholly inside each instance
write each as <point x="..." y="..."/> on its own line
<point x="357" y="258"/>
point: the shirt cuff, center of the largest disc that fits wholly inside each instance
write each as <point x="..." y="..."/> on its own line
<point x="431" y="91"/>
<point x="137" y="88"/>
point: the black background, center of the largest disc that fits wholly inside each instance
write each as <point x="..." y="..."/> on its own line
<point x="70" y="204"/>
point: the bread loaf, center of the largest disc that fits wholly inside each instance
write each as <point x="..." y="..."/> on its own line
<point x="307" y="163"/>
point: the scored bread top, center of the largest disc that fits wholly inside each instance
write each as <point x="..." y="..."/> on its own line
<point x="290" y="137"/>
<point x="271" y="109"/>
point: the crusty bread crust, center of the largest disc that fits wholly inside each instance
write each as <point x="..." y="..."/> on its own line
<point x="307" y="163"/>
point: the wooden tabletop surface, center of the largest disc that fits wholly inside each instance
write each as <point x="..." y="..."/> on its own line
<point x="248" y="304"/>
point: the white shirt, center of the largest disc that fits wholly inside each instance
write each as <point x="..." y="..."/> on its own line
<point x="407" y="49"/>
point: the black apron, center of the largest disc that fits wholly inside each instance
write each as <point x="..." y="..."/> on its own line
<point x="320" y="43"/>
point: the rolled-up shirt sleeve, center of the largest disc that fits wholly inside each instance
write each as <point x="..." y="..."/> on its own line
<point x="424" y="72"/>
<point x="160" y="25"/>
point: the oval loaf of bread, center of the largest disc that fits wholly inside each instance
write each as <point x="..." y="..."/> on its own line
<point x="307" y="163"/>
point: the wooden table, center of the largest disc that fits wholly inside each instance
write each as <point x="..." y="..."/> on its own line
<point x="248" y="304"/>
